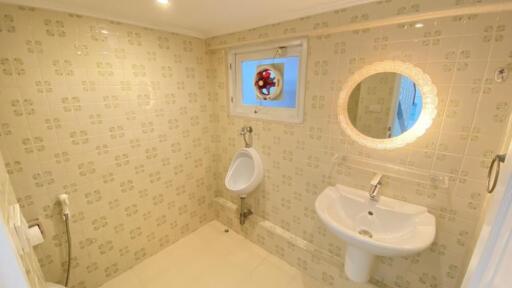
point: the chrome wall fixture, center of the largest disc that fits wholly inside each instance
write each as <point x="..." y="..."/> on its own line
<point x="244" y="211"/>
<point x="246" y="133"/>
<point x="494" y="172"/>
<point x="501" y="74"/>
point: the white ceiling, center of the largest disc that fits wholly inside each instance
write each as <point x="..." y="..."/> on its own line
<point x="201" y="18"/>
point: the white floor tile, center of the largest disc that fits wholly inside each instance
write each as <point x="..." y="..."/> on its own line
<point x="211" y="258"/>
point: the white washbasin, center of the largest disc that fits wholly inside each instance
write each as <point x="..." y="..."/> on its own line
<point x="386" y="227"/>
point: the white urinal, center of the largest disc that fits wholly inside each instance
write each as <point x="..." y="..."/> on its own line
<point x="245" y="172"/>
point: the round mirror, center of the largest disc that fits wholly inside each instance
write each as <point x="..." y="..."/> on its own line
<point x="384" y="105"/>
<point x="387" y="104"/>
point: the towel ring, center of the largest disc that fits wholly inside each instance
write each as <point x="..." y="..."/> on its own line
<point x="493" y="181"/>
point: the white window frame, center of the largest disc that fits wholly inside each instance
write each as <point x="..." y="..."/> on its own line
<point x="296" y="47"/>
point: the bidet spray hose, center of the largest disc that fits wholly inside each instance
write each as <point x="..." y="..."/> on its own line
<point x="68" y="235"/>
<point x="64" y="201"/>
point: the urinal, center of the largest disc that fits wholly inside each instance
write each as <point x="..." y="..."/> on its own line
<point x="245" y="172"/>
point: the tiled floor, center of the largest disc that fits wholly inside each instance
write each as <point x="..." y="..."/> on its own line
<point x="211" y="258"/>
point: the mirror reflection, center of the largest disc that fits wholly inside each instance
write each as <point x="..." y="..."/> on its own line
<point x="384" y="105"/>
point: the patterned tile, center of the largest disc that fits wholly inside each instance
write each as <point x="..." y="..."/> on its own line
<point x="133" y="124"/>
<point x="112" y="115"/>
<point x="457" y="53"/>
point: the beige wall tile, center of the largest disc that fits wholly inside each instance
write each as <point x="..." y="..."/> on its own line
<point x="456" y="52"/>
<point x="134" y="125"/>
<point x="89" y="108"/>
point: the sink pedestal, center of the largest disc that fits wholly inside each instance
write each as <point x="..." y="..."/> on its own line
<point x="358" y="264"/>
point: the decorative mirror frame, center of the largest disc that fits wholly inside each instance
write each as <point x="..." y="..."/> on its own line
<point x="429" y="104"/>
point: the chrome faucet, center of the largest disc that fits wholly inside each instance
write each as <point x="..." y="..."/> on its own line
<point x="375" y="187"/>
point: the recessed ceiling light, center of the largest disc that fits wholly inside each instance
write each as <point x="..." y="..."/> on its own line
<point x="419" y="25"/>
<point x="163" y="2"/>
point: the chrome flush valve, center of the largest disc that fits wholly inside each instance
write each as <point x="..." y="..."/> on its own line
<point x="375" y="184"/>
<point x="246" y="133"/>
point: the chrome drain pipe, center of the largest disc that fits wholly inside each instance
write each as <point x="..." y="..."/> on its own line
<point x="244" y="212"/>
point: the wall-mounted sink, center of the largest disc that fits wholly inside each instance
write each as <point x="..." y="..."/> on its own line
<point x="386" y="227"/>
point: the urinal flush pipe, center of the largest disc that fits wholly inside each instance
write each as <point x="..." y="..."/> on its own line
<point x="246" y="133"/>
<point x="244" y="212"/>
